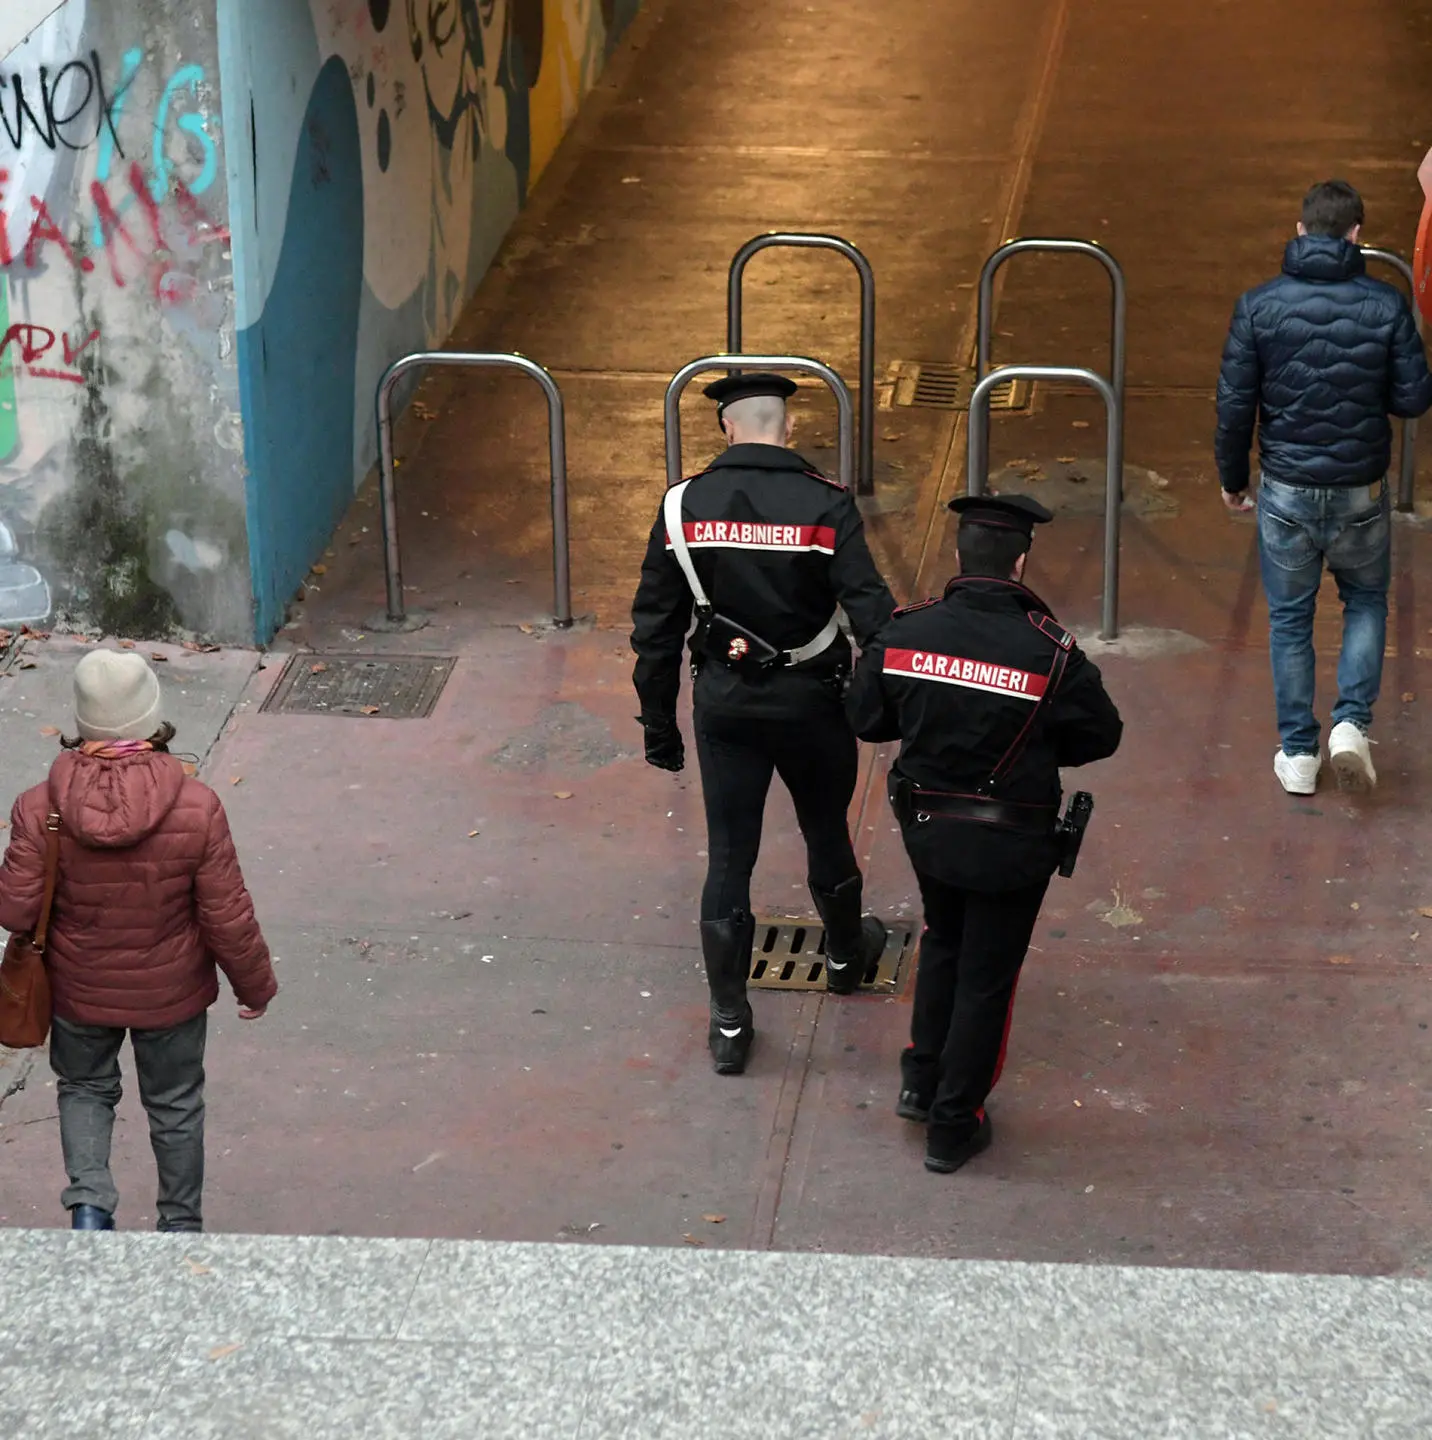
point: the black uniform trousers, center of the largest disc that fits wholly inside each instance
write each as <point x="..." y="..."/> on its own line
<point x="815" y="758"/>
<point x="971" y="952"/>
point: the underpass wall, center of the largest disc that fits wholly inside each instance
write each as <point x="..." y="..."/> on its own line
<point x="121" y="470"/>
<point x="391" y="145"/>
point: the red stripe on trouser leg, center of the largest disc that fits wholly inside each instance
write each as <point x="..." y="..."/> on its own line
<point x="1003" y="1043"/>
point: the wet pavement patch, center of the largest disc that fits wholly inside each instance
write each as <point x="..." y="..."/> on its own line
<point x="565" y="736"/>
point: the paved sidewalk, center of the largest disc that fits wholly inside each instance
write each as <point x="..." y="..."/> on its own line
<point x="492" y="1018"/>
<point x="236" y="1338"/>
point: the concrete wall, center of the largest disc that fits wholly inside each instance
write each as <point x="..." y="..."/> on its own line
<point x="388" y="146"/>
<point x="121" y="470"/>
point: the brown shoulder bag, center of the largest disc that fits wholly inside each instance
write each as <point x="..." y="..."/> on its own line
<point x="24" y="985"/>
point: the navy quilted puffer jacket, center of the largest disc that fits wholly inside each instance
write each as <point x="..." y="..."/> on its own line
<point x="1319" y="358"/>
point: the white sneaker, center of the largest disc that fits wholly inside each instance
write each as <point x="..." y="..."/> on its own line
<point x="1351" y="755"/>
<point x="1297" y="774"/>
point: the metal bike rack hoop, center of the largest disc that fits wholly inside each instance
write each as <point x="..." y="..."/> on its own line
<point x="557" y="445"/>
<point x="1119" y="316"/>
<point x="977" y="461"/>
<point x="1407" y="460"/>
<point x="845" y="410"/>
<point x="803" y="241"/>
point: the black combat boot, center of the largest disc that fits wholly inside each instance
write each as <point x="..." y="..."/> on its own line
<point x="726" y="946"/>
<point x="917" y="1088"/>
<point x="946" y="1150"/>
<point x="852" y="944"/>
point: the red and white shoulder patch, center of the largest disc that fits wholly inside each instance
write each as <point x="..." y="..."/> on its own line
<point x="915" y="605"/>
<point x="826" y="480"/>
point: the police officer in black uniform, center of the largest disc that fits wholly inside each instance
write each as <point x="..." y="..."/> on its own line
<point x="989" y="696"/>
<point x="774" y="548"/>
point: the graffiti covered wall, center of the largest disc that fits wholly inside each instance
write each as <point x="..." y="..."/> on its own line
<point x="121" y="469"/>
<point x="393" y="142"/>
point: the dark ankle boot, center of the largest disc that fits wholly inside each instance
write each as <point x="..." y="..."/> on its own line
<point x="852" y="944"/>
<point x="946" y="1150"/>
<point x="726" y="947"/>
<point x="90" y="1217"/>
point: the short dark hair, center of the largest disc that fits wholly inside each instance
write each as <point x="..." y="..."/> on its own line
<point x="988" y="550"/>
<point x="1331" y="207"/>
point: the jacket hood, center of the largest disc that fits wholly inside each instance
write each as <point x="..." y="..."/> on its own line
<point x="109" y="804"/>
<point x="1322" y="257"/>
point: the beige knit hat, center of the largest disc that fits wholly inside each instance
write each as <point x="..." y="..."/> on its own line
<point x="116" y="696"/>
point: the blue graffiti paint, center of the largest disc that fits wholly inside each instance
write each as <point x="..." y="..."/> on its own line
<point x="297" y="361"/>
<point x="189" y="77"/>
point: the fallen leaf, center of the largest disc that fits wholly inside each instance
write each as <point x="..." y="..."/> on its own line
<point x="5" y="825"/>
<point x="317" y="669"/>
<point x="692" y="1240"/>
<point x="219" y="1351"/>
<point x="1408" y="696"/>
<point x="1339" y="959"/>
<point x="713" y="1219"/>
<point x="190" y="768"/>
<point x="370" y="709"/>
<point x="1067" y="459"/>
<point x="195" y="1268"/>
<point x="894" y="435"/>
<point x="1078" y="1104"/>
<point x="236" y="779"/>
<point x="1354" y="906"/>
<point x="48" y="730"/>
<point x="126" y="644"/>
<point x="1080" y="424"/>
<point x="473" y="833"/>
<point x="159" y="659"/>
<point x="200" y="647"/>
<point x="1425" y="911"/>
<point x="526" y="629"/>
<point x="562" y="794"/>
<point x="320" y="569"/>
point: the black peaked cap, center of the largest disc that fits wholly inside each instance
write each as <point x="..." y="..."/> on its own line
<point x="749" y="384"/>
<point x="1002" y="512"/>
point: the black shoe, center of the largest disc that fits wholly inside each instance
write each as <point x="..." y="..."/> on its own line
<point x="726" y="948"/>
<point x="90" y="1217"/>
<point x="731" y="1038"/>
<point x="853" y="943"/>
<point x="945" y="1156"/>
<point x="912" y="1106"/>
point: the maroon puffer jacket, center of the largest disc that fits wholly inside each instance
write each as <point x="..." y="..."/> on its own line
<point x="150" y="897"/>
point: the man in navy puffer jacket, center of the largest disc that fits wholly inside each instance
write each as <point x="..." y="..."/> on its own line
<point x="1319" y="358"/>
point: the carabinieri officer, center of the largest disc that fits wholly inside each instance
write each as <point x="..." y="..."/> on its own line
<point x="765" y="549"/>
<point x="989" y="696"/>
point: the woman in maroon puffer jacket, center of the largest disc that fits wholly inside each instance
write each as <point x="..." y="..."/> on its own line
<point x="150" y="901"/>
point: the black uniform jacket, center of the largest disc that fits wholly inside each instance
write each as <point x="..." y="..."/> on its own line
<point x="956" y="680"/>
<point x="777" y="546"/>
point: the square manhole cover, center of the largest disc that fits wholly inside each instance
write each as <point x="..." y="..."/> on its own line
<point x="789" y="954"/>
<point x="380" y="687"/>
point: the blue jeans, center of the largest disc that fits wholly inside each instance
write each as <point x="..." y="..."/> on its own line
<point x="1300" y="527"/>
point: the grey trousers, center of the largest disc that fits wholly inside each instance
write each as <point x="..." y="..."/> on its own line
<point x="170" y="1065"/>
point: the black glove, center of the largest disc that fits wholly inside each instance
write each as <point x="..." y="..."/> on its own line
<point x="664" y="746"/>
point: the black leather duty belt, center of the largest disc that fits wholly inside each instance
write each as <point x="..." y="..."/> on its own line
<point x="925" y="805"/>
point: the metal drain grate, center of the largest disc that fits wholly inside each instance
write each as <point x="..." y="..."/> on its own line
<point x="789" y="954"/>
<point x="380" y="687"/>
<point x="949" y="387"/>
